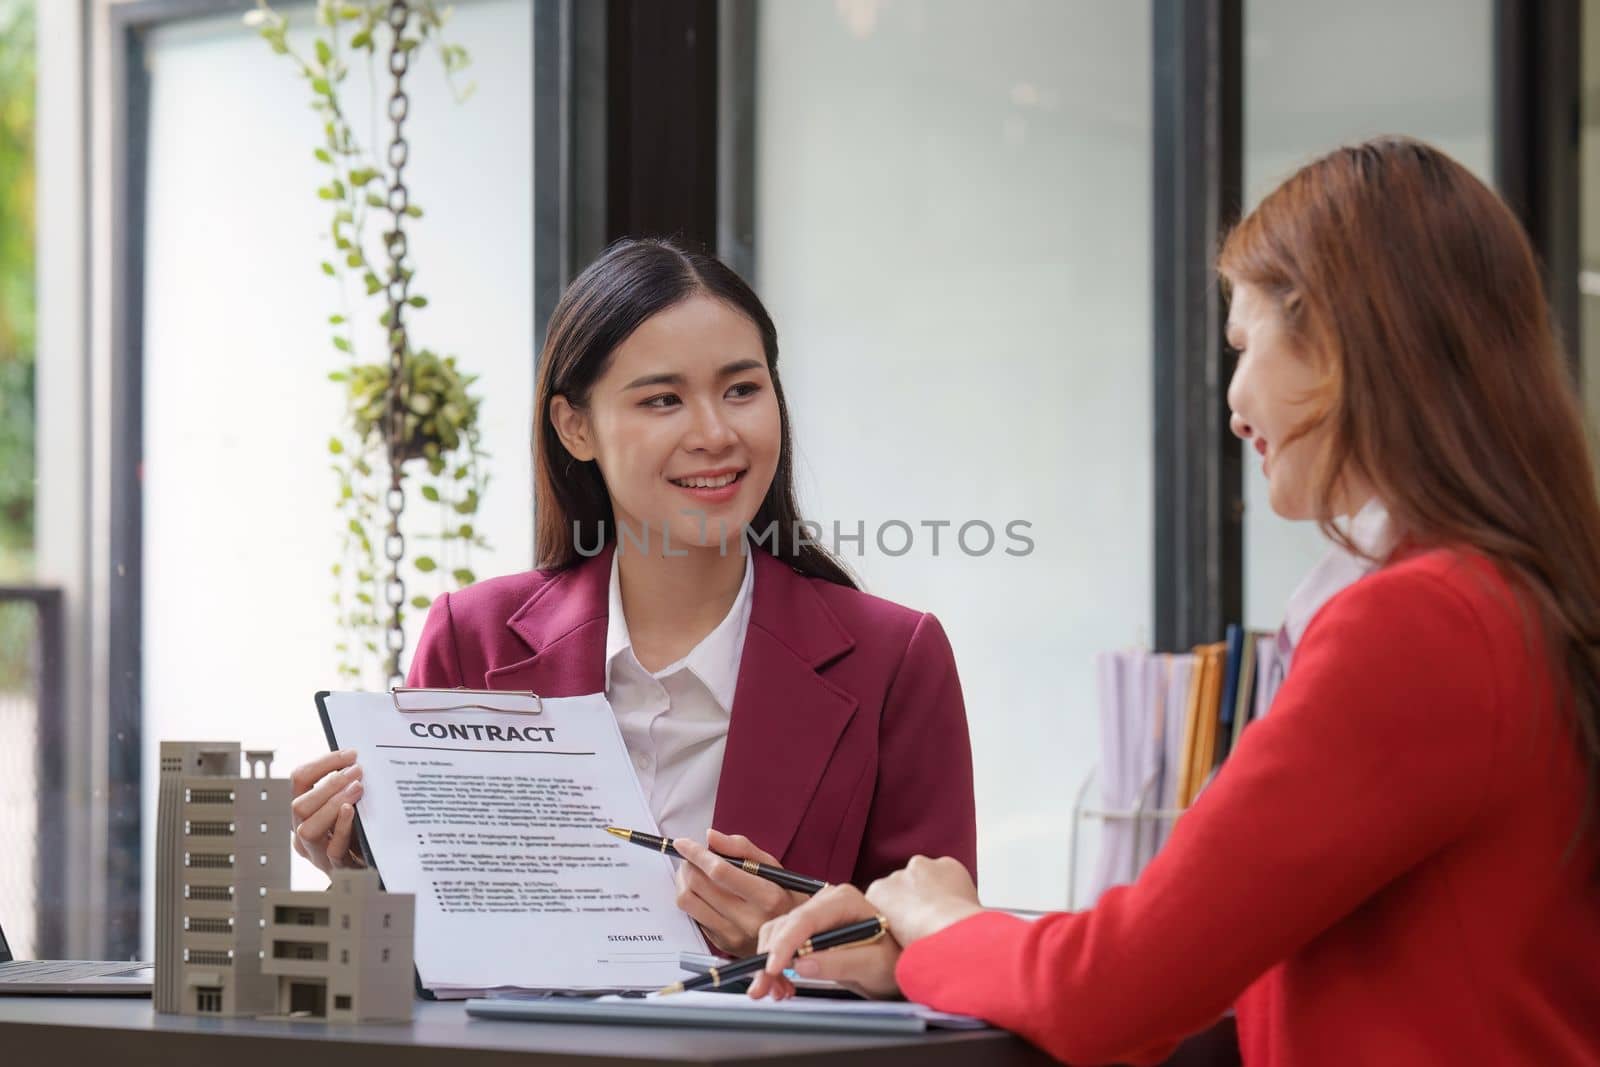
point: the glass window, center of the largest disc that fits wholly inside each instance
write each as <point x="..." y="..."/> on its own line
<point x="1589" y="214"/>
<point x="239" y="525"/>
<point x="1317" y="75"/>
<point x="21" y="697"/>
<point x="952" y="233"/>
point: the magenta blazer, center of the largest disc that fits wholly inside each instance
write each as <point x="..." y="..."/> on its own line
<point x="847" y="747"/>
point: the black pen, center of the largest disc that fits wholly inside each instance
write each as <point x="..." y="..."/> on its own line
<point x="864" y="932"/>
<point x="788" y="879"/>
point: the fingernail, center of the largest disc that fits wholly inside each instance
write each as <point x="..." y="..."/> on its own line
<point x="345" y="809"/>
<point x="347" y="752"/>
<point x="354" y="791"/>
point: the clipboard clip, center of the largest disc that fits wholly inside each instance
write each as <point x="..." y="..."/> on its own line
<point x="417" y="700"/>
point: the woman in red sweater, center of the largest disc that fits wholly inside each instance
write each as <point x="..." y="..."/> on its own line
<point x="1399" y="864"/>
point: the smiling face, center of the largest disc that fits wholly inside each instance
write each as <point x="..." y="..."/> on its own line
<point x="1273" y="394"/>
<point x="683" y="424"/>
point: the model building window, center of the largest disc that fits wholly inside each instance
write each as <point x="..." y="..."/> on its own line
<point x="344" y="955"/>
<point x="385" y="955"/>
<point x="341" y="1003"/>
<point x="386" y="920"/>
<point x="344" y="922"/>
<point x="208" y="999"/>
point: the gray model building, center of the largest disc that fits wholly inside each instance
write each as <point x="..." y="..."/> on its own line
<point x="344" y="954"/>
<point x="222" y="840"/>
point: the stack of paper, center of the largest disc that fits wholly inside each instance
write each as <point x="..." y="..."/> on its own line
<point x="731" y="1010"/>
<point x="1167" y="724"/>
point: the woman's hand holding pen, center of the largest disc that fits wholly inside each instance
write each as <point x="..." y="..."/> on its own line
<point x="729" y="904"/>
<point x="921" y="899"/>
<point x="325" y="794"/>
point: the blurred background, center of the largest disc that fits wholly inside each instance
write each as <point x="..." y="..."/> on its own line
<point x="983" y="231"/>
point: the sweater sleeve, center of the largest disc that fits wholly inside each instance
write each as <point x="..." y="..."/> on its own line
<point x="1378" y="751"/>
<point x="436" y="664"/>
<point x="923" y="801"/>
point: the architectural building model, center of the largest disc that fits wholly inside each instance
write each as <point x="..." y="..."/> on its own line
<point x="343" y="954"/>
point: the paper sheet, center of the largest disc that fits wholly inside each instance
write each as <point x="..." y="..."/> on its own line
<point x="496" y="821"/>
<point x="737" y="1002"/>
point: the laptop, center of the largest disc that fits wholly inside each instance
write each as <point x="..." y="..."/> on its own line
<point x="69" y="977"/>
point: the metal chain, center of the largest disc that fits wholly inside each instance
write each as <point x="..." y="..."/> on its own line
<point x="394" y="544"/>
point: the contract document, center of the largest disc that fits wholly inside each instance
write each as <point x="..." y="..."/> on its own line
<point x="491" y="808"/>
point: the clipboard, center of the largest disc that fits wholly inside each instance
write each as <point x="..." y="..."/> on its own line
<point x="421" y="700"/>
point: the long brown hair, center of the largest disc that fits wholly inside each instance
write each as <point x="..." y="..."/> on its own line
<point x="632" y="280"/>
<point x="1444" y="384"/>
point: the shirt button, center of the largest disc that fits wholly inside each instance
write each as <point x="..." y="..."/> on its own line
<point x="642" y="761"/>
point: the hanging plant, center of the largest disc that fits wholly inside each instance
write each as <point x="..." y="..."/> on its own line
<point x="411" y="419"/>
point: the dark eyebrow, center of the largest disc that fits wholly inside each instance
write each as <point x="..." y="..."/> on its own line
<point x="736" y="367"/>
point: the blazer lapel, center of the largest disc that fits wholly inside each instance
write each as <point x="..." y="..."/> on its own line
<point x="564" y="627"/>
<point x="787" y="718"/>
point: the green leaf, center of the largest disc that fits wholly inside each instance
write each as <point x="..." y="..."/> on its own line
<point x="354" y="258"/>
<point x="425" y="564"/>
<point x="373" y="284"/>
<point x="335" y="320"/>
<point x="430" y="493"/>
<point x="355" y="528"/>
<point x="414" y="211"/>
<point x="462" y="472"/>
<point x="324" y="53"/>
<point x="322" y="154"/>
<point x="365" y="598"/>
<point x="363" y="175"/>
<point x="335" y="445"/>
<point x="374" y="200"/>
<point x="327" y="268"/>
<point x="361" y="40"/>
<point x="341" y="344"/>
<point x="417" y="301"/>
<point x="463" y="576"/>
<point x="465" y="530"/>
<point x="320" y="86"/>
<point x="338" y="376"/>
<point x="421" y="603"/>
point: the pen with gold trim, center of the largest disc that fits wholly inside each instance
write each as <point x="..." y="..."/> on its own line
<point x="864" y="932"/>
<point x="788" y="879"/>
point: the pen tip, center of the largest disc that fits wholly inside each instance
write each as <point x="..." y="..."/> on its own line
<point x="675" y="987"/>
<point x="624" y="834"/>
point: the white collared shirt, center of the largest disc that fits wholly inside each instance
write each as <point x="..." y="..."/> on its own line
<point x="1370" y="531"/>
<point x="675" y="721"/>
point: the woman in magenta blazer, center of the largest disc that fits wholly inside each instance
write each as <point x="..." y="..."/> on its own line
<point x="758" y="691"/>
<point x="1398" y="865"/>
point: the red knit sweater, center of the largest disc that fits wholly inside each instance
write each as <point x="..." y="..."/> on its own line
<point x="1379" y="875"/>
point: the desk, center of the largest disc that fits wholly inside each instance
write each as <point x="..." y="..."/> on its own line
<point x="78" y="1032"/>
<point x="90" y="1032"/>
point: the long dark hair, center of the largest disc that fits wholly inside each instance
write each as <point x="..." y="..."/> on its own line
<point x="1444" y="384"/>
<point x="631" y="281"/>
